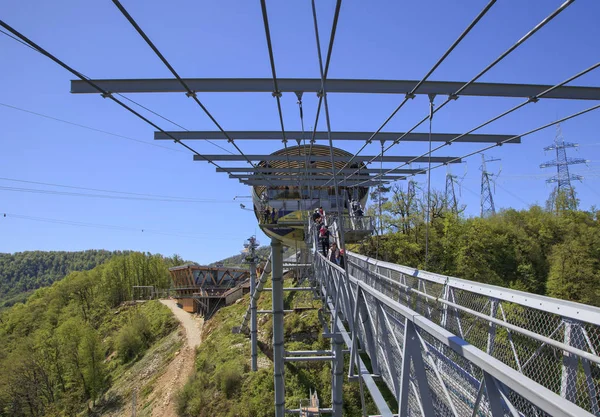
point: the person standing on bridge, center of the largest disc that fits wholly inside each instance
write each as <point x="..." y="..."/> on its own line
<point x="324" y="238"/>
<point x="333" y="254"/>
<point x="340" y="260"/>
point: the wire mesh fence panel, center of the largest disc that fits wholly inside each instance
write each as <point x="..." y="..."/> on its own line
<point x="536" y="341"/>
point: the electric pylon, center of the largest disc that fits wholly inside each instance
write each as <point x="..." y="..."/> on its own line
<point x="563" y="177"/>
<point x="450" y="194"/>
<point x="487" y="199"/>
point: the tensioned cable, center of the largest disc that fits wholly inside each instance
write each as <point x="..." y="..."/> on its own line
<point x="326" y="72"/>
<point x="276" y="93"/>
<point x="537" y="129"/>
<point x="327" y="118"/>
<point x="189" y="93"/>
<point x="456" y="94"/>
<point x="122" y="96"/>
<point x="533" y="99"/>
<point x="171" y="121"/>
<point x="89" y="128"/>
<point x="105" y="226"/>
<point x="411" y="94"/>
<point x="104" y="93"/>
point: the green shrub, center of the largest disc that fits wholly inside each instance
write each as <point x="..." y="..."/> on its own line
<point x="229" y="378"/>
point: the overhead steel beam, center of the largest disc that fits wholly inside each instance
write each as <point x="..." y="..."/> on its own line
<point x="319" y="170"/>
<point x="280" y="183"/>
<point x="301" y="177"/>
<point x="361" y="136"/>
<point x="326" y="158"/>
<point x="265" y="85"/>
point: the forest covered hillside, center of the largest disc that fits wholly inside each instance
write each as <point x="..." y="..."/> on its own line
<point x="553" y="251"/>
<point x="63" y="349"/>
<point x="23" y="272"/>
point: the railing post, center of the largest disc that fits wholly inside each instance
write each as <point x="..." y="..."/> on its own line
<point x="411" y="352"/>
<point x="491" y="339"/>
<point x="278" y="348"/>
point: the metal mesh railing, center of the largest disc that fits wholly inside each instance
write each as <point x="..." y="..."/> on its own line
<point x="430" y="370"/>
<point x="551" y="342"/>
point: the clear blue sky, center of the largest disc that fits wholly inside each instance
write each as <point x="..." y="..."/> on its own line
<point x="377" y="40"/>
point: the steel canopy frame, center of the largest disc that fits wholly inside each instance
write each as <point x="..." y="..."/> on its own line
<point x="317" y="170"/>
<point x="322" y="158"/>
<point x="321" y="183"/>
<point x="360" y="136"/>
<point x="360" y="86"/>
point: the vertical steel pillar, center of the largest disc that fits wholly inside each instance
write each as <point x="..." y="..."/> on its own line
<point x="253" y="323"/>
<point x="337" y="395"/>
<point x="278" y="348"/>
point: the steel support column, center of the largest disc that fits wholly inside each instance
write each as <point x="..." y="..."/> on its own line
<point x="253" y="321"/>
<point x="337" y="370"/>
<point x="278" y="348"/>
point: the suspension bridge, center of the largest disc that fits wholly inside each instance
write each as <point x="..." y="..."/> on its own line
<point x="442" y="346"/>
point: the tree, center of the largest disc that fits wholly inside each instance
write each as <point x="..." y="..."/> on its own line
<point x="574" y="273"/>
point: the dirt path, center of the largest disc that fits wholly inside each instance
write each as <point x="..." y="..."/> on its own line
<point x="179" y="370"/>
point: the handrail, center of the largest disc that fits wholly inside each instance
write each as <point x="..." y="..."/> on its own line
<point x="530" y="390"/>
<point x="569" y="309"/>
<point x="543" y="339"/>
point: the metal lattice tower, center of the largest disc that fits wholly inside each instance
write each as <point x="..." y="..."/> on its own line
<point x="450" y="193"/>
<point x="563" y="177"/>
<point x="487" y="198"/>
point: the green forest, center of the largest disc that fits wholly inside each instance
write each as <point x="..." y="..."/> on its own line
<point x="23" y="272"/>
<point x="60" y="350"/>
<point x="553" y="250"/>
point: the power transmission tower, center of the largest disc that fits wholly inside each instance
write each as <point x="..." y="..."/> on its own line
<point x="563" y="177"/>
<point x="450" y="193"/>
<point x="487" y="199"/>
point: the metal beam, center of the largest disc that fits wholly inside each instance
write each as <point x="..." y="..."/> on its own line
<point x="326" y="158"/>
<point x="290" y="85"/>
<point x="301" y="177"/>
<point x="360" y="136"/>
<point x="319" y="170"/>
<point x="281" y="183"/>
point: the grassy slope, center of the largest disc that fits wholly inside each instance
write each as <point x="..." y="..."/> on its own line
<point x="140" y="376"/>
<point x="223" y="383"/>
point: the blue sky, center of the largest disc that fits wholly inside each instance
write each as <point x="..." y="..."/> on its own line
<point x="375" y="40"/>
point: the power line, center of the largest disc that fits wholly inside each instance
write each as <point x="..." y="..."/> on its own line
<point x="170" y="121"/>
<point x="537" y="129"/>
<point x="88" y="127"/>
<point x="104" y="93"/>
<point x="111" y="191"/>
<point x="456" y="94"/>
<point x="109" y="227"/>
<point x="120" y="95"/>
<point x="109" y="197"/>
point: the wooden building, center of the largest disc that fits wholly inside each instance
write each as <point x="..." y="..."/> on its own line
<point x="204" y="289"/>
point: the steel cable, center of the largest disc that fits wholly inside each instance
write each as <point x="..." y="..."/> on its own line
<point x="189" y="93"/>
<point x="456" y="94"/>
<point x="533" y="99"/>
<point x="411" y="94"/>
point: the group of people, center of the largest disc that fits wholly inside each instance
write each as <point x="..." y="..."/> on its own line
<point x="331" y="252"/>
